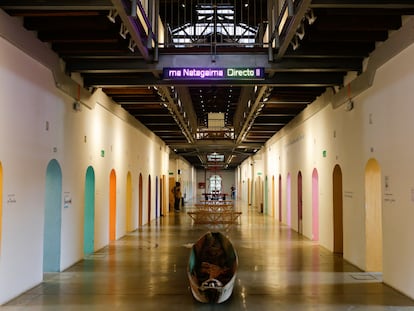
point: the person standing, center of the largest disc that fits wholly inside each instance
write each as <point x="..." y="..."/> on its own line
<point x="233" y="192"/>
<point x="177" y="196"/>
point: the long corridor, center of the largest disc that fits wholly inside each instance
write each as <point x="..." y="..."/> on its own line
<point x="146" y="270"/>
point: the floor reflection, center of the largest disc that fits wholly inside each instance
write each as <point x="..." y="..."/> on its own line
<point x="146" y="270"/>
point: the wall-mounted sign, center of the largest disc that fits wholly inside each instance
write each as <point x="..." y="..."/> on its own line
<point x="192" y="73"/>
<point x="67" y="200"/>
<point x="11" y="198"/>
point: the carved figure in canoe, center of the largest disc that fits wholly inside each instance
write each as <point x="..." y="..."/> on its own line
<point x="212" y="268"/>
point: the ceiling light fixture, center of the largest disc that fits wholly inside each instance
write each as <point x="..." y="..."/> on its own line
<point x="300" y="32"/>
<point x="266" y="94"/>
<point x="295" y="43"/>
<point x="123" y="31"/>
<point x="112" y="15"/>
<point x="131" y="45"/>
<point x="310" y="16"/>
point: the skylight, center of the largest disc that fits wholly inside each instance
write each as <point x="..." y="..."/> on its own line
<point x="214" y="24"/>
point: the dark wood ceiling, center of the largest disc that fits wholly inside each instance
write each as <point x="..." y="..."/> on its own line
<point x="320" y="43"/>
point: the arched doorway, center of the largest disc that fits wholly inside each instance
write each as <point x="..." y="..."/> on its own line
<point x="315" y="205"/>
<point x="156" y="198"/>
<point x="171" y="185"/>
<point x="239" y="189"/>
<point x="112" y="206"/>
<point x="162" y="195"/>
<point x="373" y="216"/>
<point x="1" y="204"/>
<point x="266" y="195"/>
<point x="89" y="212"/>
<point x="280" y="198"/>
<point x="128" y="204"/>
<point x="288" y="201"/>
<point x="140" y="207"/>
<point x="273" y="196"/>
<point x="149" y="199"/>
<point x="338" y="231"/>
<point x="258" y="193"/>
<point x="52" y="218"/>
<point x="300" y="205"/>
<point x="249" y="190"/>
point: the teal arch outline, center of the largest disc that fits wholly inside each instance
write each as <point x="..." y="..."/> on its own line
<point x="89" y="212"/>
<point x="52" y="218"/>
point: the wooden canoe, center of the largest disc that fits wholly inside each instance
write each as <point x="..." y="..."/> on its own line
<point x="212" y="268"/>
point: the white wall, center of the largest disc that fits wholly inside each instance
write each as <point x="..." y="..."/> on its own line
<point x="228" y="180"/>
<point x="380" y="127"/>
<point x="38" y="124"/>
<point x="389" y="106"/>
<point x="183" y="172"/>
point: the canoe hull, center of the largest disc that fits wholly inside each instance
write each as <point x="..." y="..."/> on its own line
<point x="212" y="292"/>
<point x="212" y="268"/>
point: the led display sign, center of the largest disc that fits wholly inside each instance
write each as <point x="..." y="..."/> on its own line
<point x="194" y="73"/>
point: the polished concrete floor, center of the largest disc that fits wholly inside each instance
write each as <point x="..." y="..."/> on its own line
<point x="146" y="270"/>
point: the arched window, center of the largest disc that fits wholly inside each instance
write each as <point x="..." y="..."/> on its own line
<point x="215" y="183"/>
